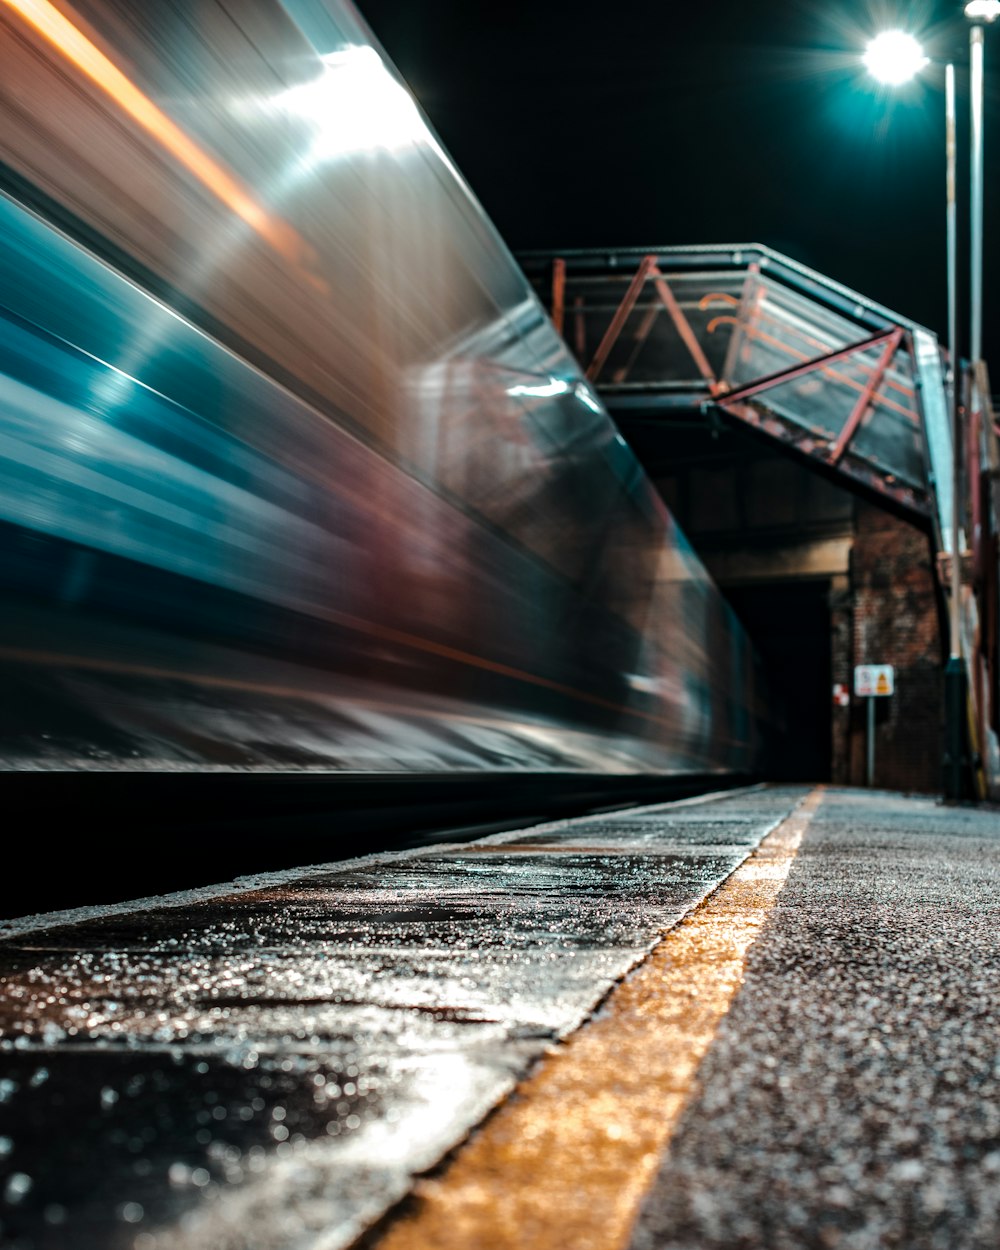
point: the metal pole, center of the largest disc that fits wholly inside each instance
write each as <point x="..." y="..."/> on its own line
<point x="954" y="673"/>
<point x="951" y="149"/>
<point x="976" y="44"/>
<point x="955" y="623"/>
<point x="870" y="743"/>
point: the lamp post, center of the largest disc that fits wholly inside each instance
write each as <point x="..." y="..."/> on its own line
<point x="895" y="57"/>
<point x="955" y="680"/>
<point x="981" y="13"/>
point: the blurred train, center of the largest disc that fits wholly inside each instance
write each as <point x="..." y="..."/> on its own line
<point x="296" y="474"/>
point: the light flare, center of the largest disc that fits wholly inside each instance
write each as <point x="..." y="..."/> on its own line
<point x="74" y="45"/>
<point x="983" y="10"/>
<point x="355" y="105"/>
<point x="894" y="57"/>
<point x="545" y="390"/>
<point x="554" y="387"/>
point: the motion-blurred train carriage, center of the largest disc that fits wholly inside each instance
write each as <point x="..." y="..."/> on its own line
<point x="296" y="471"/>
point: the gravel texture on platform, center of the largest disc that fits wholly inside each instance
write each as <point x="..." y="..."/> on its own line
<point x="851" y="1099"/>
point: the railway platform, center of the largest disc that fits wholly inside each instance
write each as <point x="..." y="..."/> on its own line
<point x="765" y="1017"/>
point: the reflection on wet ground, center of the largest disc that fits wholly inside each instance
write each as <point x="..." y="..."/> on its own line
<point x="257" y="1068"/>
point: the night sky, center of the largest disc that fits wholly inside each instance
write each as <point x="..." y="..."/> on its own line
<point x="708" y="122"/>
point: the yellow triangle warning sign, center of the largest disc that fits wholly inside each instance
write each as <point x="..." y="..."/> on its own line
<point x="882" y="685"/>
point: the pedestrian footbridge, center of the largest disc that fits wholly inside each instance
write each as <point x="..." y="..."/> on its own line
<point x="742" y="334"/>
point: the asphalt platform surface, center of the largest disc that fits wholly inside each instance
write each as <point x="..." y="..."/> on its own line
<point x="269" y="1064"/>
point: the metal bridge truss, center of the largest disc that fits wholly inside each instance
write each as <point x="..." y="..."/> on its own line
<point x="856" y="390"/>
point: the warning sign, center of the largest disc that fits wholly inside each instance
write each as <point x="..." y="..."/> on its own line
<point x="874" y="680"/>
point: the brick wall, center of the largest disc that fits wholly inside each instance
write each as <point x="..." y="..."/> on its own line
<point x="842" y="657"/>
<point x="894" y="620"/>
<point x="761" y="520"/>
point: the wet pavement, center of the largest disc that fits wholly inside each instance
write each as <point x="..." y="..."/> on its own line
<point x="269" y="1066"/>
<point x="851" y="1098"/>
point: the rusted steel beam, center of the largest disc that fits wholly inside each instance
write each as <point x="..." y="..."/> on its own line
<point x="843" y="379"/>
<point x="617" y="322"/>
<point x="688" y="337"/>
<point x="579" y="328"/>
<point x="807" y="367"/>
<point x="558" y="292"/>
<point x="814" y="446"/>
<point x="867" y="395"/>
<point x="641" y="335"/>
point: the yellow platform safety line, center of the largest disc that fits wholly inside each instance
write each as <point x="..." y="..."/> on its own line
<point x="565" y="1163"/>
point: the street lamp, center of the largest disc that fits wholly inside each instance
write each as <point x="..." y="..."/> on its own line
<point x="895" y="57"/>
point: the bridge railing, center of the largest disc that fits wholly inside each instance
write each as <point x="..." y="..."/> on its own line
<point x="851" y="386"/>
